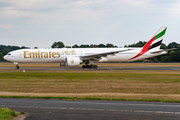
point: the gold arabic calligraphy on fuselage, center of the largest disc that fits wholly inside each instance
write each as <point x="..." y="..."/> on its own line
<point x="48" y="54"/>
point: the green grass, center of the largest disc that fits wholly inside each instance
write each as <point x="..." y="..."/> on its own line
<point x="7" y="114"/>
<point x="89" y="76"/>
<point x="113" y="81"/>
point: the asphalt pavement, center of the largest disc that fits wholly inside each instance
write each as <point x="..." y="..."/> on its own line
<point x="38" y="109"/>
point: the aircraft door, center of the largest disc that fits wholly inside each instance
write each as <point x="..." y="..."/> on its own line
<point x="19" y="54"/>
<point x="81" y="53"/>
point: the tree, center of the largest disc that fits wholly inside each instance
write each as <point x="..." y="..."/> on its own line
<point x="23" y="47"/>
<point x="139" y="44"/>
<point x="176" y="56"/>
<point x="110" y="45"/>
<point x="75" y="46"/>
<point x="68" y="46"/>
<point x="58" y="45"/>
<point x="173" y="45"/>
<point x="164" y="58"/>
<point x="5" y="51"/>
<point x="1" y="56"/>
<point x="125" y="46"/>
<point x="163" y="46"/>
<point x="84" y="46"/>
<point x="101" y="45"/>
<point x="91" y="46"/>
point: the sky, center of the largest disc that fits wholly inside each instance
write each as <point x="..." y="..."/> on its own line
<point x="40" y="23"/>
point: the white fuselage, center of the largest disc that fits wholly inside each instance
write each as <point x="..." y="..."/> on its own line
<point x="60" y="55"/>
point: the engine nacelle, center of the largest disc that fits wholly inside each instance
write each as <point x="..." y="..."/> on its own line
<point x="73" y="61"/>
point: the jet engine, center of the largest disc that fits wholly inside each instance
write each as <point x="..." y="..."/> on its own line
<point x="73" y="61"/>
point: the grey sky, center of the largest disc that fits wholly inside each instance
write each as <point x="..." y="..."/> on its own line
<point x="120" y="22"/>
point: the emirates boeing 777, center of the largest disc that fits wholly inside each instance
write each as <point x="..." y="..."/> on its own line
<point x="87" y="56"/>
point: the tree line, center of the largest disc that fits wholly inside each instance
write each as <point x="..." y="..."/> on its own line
<point x="172" y="56"/>
<point x="61" y="45"/>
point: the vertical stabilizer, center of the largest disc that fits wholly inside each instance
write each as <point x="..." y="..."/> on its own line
<point x="154" y="43"/>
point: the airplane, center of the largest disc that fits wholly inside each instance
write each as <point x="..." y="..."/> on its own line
<point x="87" y="56"/>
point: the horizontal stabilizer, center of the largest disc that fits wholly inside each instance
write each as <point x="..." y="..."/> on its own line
<point x="163" y="50"/>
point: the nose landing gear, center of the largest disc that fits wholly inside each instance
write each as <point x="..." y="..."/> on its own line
<point x="17" y="67"/>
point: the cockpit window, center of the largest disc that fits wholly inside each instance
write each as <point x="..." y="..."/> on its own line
<point x="9" y="54"/>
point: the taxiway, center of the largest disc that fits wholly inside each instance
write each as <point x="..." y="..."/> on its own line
<point x="61" y="109"/>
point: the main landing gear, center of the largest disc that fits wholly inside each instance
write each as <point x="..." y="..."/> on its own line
<point x="89" y="66"/>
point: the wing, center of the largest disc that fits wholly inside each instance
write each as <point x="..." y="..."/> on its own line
<point x="98" y="56"/>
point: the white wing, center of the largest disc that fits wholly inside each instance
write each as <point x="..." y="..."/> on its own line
<point x="98" y="56"/>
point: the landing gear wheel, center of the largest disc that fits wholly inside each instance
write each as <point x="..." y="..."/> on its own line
<point x="95" y="66"/>
<point x="91" y="66"/>
<point x="17" y="67"/>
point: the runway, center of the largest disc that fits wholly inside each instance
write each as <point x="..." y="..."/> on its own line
<point x="92" y="109"/>
<point x="91" y="69"/>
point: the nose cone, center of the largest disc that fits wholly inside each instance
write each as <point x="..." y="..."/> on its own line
<point x="5" y="57"/>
